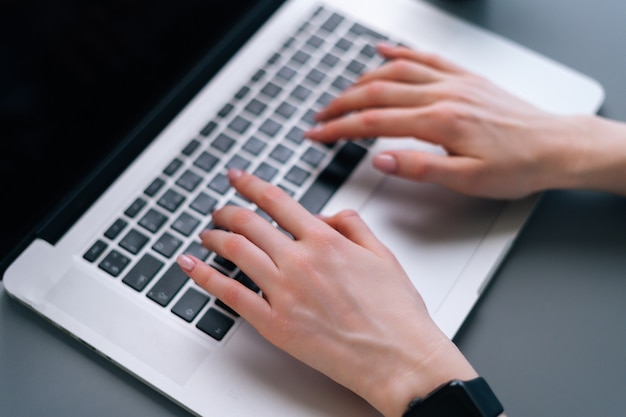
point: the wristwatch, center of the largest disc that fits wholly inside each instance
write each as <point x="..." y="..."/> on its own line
<point x="473" y="398"/>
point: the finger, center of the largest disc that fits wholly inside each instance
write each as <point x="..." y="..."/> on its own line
<point x="288" y="213"/>
<point x="389" y="122"/>
<point x="254" y="227"/>
<point x="238" y="249"/>
<point x="352" y="226"/>
<point x="431" y="60"/>
<point x="378" y="94"/>
<point x="454" y="172"/>
<point x="403" y="71"/>
<point x="248" y="304"/>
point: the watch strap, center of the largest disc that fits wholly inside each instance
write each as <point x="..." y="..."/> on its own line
<point x="473" y="398"/>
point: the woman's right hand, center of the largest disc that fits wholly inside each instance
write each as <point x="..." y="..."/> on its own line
<point x="496" y="145"/>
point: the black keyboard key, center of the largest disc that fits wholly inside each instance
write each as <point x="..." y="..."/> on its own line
<point x="171" y="200"/>
<point x="224" y="263"/>
<point x="255" y="107"/>
<point x="190" y="304"/>
<point x="254" y="145"/>
<point x="143" y="272"/>
<point x="206" y="161"/>
<point x="220" y="184"/>
<point x="270" y="128"/>
<point x="215" y="323"/>
<point x="167" y="245"/>
<point x="154" y="187"/>
<point x="95" y="251"/>
<point x="185" y="224"/>
<point x="196" y="249"/>
<point x="301" y="93"/>
<point x="281" y="154"/>
<point x="238" y="162"/>
<point x="114" y="230"/>
<point x="300" y="57"/>
<point x="166" y="288"/>
<point x="344" y="45"/>
<point x="361" y="30"/>
<point x="266" y="172"/>
<point x="333" y="176"/>
<point x="114" y="263"/>
<point x="226" y="308"/>
<point x="226" y="110"/>
<point x="189" y="180"/>
<point x="243" y="91"/>
<point x="191" y="147"/>
<point x="134" y="241"/>
<point x="246" y="281"/>
<point x="203" y="203"/>
<point x="239" y="125"/>
<point x="208" y="129"/>
<point x="286" y="110"/>
<point x="296" y="135"/>
<point x="330" y="60"/>
<point x="271" y="90"/>
<point x="172" y="167"/>
<point x="152" y="220"/>
<point x="136" y="207"/>
<point x="223" y="142"/>
<point x="297" y="175"/>
<point x="313" y="156"/>
<point x="286" y="73"/>
<point x="332" y="22"/>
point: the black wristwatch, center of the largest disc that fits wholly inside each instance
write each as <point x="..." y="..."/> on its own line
<point x="473" y="398"/>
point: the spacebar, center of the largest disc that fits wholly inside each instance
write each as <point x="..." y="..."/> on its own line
<point x="332" y="177"/>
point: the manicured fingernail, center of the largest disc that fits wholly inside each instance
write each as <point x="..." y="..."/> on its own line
<point x="234" y="173"/>
<point x="315" y="130"/>
<point x="386" y="163"/>
<point x="185" y="262"/>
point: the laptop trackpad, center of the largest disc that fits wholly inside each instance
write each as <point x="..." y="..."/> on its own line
<point x="126" y="325"/>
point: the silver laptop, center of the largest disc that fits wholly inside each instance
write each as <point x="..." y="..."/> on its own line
<point x="110" y="280"/>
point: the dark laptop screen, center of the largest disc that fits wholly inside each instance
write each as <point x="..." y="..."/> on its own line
<point x="76" y="76"/>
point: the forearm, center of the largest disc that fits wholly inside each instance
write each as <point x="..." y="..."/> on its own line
<point x="593" y="157"/>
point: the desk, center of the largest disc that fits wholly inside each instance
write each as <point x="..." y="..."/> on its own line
<point x="550" y="331"/>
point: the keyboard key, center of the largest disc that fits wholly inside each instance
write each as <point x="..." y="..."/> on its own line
<point x="143" y="272"/>
<point x="255" y="107"/>
<point x="332" y="177"/>
<point x="171" y="200"/>
<point x="154" y="187"/>
<point x="239" y="125"/>
<point x="238" y="162"/>
<point x="152" y="220"/>
<point x="220" y="184"/>
<point x="167" y="244"/>
<point x="313" y="156"/>
<point x="271" y="90"/>
<point x="190" y="304"/>
<point x="265" y="171"/>
<point x="301" y="93"/>
<point x="297" y="175"/>
<point x="254" y="145"/>
<point x="203" y="203"/>
<point x="114" y="263"/>
<point x="223" y="142"/>
<point x="215" y="323"/>
<point x="134" y="241"/>
<point x="196" y="249"/>
<point x="189" y="180"/>
<point x="206" y="161"/>
<point x="95" y="251"/>
<point x="191" y="147"/>
<point x="168" y="286"/>
<point x="281" y="153"/>
<point x="185" y="224"/>
<point x="136" y="207"/>
<point x="286" y="110"/>
<point x="333" y="22"/>
<point x="270" y="128"/>
<point x="114" y="230"/>
<point x="172" y="167"/>
<point x="208" y="129"/>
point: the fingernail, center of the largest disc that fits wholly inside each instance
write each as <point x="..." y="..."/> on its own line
<point x="234" y="173"/>
<point x="185" y="262"/>
<point x="386" y="163"/>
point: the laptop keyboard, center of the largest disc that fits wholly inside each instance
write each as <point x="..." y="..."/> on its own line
<point x="259" y="130"/>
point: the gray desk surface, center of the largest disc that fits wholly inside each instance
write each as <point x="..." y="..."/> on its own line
<point x="550" y="332"/>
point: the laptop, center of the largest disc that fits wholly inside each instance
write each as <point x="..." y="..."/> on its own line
<point x="121" y="131"/>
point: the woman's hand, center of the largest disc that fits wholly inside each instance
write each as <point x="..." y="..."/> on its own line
<point x="496" y="145"/>
<point x="334" y="297"/>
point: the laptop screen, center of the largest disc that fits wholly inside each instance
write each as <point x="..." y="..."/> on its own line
<point x="76" y="77"/>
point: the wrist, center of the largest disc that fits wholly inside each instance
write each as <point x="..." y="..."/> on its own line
<point x="419" y="372"/>
<point x="591" y="154"/>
